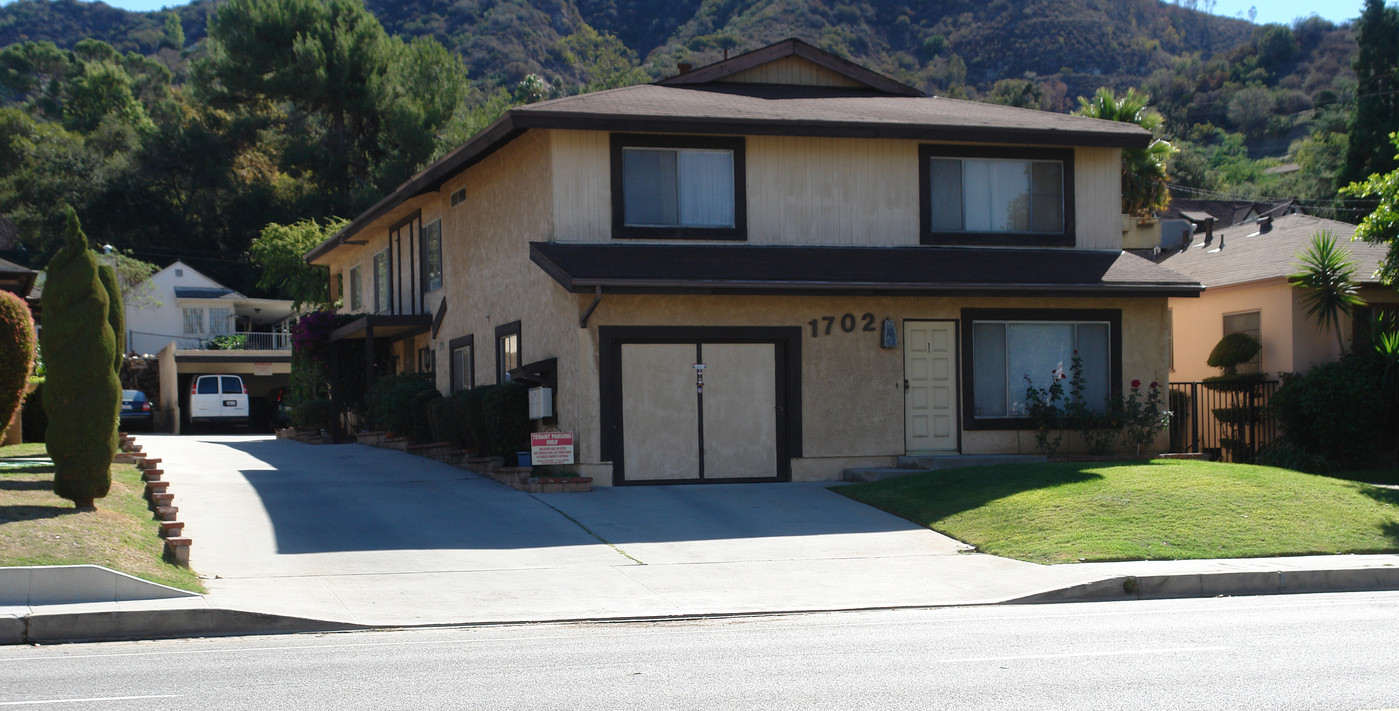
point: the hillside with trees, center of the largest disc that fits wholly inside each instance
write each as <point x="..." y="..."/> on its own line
<point x="184" y="133"/>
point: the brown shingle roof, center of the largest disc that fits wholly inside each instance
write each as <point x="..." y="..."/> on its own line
<point x="762" y="109"/>
<point x="1250" y="255"/>
<point x="752" y="269"/>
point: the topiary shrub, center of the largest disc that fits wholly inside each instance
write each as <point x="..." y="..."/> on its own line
<point x="506" y="410"/>
<point x="16" y="355"/>
<point x="1232" y="351"/>
<point x="82" y="396"/>
<point x="116" y="314"/>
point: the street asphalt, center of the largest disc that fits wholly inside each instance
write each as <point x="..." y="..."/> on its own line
<point x="290" y="536"/>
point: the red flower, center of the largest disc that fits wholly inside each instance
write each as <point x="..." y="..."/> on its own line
<point x="1136" y="384"/>
<point x="1155" y="384"/>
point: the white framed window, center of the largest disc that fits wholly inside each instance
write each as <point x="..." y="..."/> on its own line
<point x="383" y="301"/>
<point x="193" y="322"/>
<point x="1250" y="322"/>
<point x="432" y="255"/>
<point x="356" y="291"/>
<point x="220" y="322"/>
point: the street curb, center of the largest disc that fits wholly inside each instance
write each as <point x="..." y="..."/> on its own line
<point x="1256" y="582"/>
<point x="124" y="625"/>
<point x="119" y="625"/>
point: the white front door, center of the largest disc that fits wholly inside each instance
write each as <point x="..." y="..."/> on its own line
<point x="930" y="392"/>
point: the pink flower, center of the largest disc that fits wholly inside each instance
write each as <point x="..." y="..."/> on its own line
<point x="1136" y="384"/>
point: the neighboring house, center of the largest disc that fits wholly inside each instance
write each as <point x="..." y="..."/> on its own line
<point x="181" y="314"/>
<point x="775" y="267"/>
<point x="1244" y="269"/>
<point x="16" y="279"/>
<point x="180" y="304"/>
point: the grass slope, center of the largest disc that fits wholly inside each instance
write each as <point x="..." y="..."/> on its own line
<point x="38" y="528"/>
<point x="1068" y="512"/>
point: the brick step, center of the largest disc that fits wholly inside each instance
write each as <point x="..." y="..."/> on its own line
<point x="177" y="549"/>
<point x="171" y="529"/>
<point x="149" y="463"/>
<point x="162" y="499"/>
<point x="156" y="487"/>
<point x="153" y="474"/>
<point x="166" y="513"/>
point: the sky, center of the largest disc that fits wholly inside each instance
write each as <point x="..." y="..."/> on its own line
<point x="1279" y="11"/>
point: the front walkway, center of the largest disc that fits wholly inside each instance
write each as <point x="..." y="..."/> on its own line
<point x="375" y="536"/>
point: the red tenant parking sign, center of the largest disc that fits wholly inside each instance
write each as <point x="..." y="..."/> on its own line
<point x="551" y="448"/>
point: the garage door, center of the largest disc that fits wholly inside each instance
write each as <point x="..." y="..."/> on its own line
<point x="736" y="418"/>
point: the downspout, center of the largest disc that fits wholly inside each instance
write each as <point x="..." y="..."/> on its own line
<point x="597" y="298"/>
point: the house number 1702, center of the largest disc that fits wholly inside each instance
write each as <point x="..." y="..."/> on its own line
<point x="824" y="325"/>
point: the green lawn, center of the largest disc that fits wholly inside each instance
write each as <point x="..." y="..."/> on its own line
<point x="1163" y="509"/>
<point x="39" y="528"/>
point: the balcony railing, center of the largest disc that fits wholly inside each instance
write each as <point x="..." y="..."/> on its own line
<point x="237" y="341"/>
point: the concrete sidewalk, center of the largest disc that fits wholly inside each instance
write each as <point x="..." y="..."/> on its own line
<point x="289" y="536"/>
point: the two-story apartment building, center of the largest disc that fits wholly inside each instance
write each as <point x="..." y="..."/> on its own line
<point x="774" y="267"/>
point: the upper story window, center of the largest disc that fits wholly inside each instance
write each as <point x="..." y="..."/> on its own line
<point x="677" y="187"/>
<point x="193" y="322"/>
<point x="432" y="255"/>
<point x="977" y="195"/>
<point x="382" y="291"/>
<point x="356" y="291"/>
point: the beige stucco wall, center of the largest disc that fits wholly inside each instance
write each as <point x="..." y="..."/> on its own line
<point x="792" y="71"/>
<point x="488" y="278"/>
<point x="852" y="390"/>
<point x="828" y="191"/>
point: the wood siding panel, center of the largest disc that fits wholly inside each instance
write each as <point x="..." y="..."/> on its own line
<point x="832" y="191"/>
<point x="582" y="187"/>
<point x="823" y="191"/>
<point x="793" y="71"/>
<point x="1098" y="197"/>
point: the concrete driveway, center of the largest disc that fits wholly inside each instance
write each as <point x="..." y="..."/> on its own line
<point x="374" y="536"/>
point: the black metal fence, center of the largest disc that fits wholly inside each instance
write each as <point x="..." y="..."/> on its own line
<point x="1228" y="422"/>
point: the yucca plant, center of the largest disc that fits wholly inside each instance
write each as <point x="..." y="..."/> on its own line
<point x="1327" y="278"/>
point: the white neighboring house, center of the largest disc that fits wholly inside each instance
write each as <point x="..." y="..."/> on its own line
<point x="190" y="309"/>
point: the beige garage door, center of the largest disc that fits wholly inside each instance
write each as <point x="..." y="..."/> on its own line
<point x="676" y="430"/>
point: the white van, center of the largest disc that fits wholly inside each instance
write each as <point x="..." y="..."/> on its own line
<point x="218" y="398"/>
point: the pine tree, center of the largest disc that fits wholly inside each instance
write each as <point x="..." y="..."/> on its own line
<point x="1376" y="94"/>
<point x="82" y="395"/>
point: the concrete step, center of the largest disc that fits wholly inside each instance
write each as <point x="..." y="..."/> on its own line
<point x="859" y="474"/>
<point x="937" y="462"/>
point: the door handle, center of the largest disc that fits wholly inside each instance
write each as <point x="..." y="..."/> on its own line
<point x="905" y="384"/>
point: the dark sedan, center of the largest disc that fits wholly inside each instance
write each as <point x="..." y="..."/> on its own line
<point x="135" y="410"/>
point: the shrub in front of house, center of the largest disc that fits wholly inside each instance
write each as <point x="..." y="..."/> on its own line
<point x="16" y="354"/>
<point x="506" y="411"/>
<point x="390" y="402"/>
<point x="1330" y="417"/>
<point x="423" y="429"/>
<point x="317" y="414"/>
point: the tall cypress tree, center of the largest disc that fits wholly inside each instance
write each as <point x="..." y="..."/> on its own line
<point x="1376" y="94"/>
<point x="116" y="312"/>
<point x="82" y="396"/>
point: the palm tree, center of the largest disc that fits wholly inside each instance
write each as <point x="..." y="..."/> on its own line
<point x="1328" y="280"/>
<point x="1143" y="169"/>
